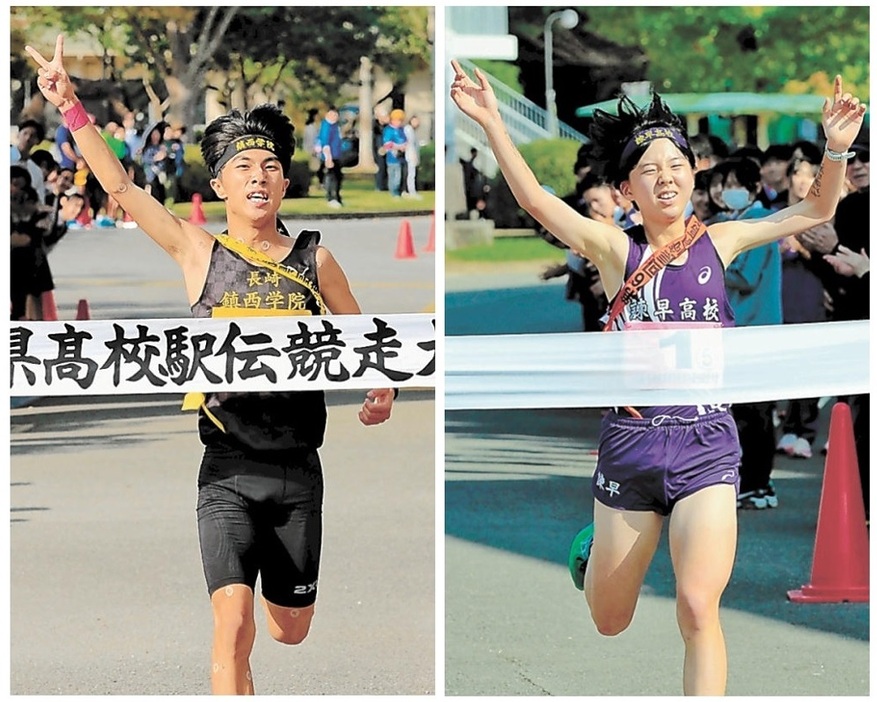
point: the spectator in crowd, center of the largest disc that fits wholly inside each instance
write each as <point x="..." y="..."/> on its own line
<point x="175" y="165"/>
<point x="849" y="288"/>
<point x="594" y="197"/>
<point x="330" y="143"/>
<point x="394" y="147"/>
<point x="412" y="156"/>
<point x="131" y="137"/>
<point x="774" y="176"/>
<point x="68" y="156"/>
<point x="859" y="168"/>
<point x="474" y="185"/>
<point x="753" y="281"/>
<point x="47" y="164"/>
<point x="311" y="146"/>
<point x="30" y="133"/>
<point x="381" y="120"/>
<point x="30" y="276"/>
<point x="700" y="196"/>
<point x="705" y="156"/>
<point x="803" y="302"/>
<point x="154" y="158"/>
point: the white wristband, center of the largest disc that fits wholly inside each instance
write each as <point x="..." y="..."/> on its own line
<point x="838" y="155"/>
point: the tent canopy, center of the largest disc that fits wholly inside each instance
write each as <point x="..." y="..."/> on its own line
<point x="730" y="104"/>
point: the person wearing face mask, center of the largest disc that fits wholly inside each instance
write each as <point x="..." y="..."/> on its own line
<point x="753" y="280"/>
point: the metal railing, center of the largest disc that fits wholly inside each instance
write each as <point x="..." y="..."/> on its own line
<point x="524" y="120"/>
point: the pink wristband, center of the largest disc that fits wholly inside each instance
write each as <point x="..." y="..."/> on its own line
<point x="76" y="117"/>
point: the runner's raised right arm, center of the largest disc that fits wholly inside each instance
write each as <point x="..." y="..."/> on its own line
<point x="604" y="245"/>
<point x="174" y="235"/>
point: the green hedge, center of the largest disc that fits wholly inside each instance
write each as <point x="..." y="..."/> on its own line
<point x="551" y="161"/>
<point x="426" y="169"/>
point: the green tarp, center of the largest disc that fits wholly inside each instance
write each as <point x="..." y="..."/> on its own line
<point x="729" y="104"/>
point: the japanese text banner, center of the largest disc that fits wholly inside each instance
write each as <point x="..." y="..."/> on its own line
<point x="669" y="366"/>
<point x="245" y="354"/>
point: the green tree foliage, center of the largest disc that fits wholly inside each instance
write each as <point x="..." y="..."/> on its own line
<point x="735" y="48"/>
<point x="290" y="50"/>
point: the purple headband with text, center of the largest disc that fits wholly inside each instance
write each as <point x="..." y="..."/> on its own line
<point x="649" y="134"/>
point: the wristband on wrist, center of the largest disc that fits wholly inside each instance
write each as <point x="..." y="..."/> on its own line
<point x="838" y="155"/>
<point x="76" y="117"/>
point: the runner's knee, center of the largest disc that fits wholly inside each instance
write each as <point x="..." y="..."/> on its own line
<point x="611" y="623"/>
<point x="289" y="625"/>
<point x="291" y="636"/>
<point x="696" y="611"/>
<point x="234" y="628"/>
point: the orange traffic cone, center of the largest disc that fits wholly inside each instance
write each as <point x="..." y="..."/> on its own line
<point x="50" y="311"/>
<point x="430" y="244"/>
<point x="840" y="554"/>
<point x="405" y="242"/>
<point x="82" y="312"/>
<point x="197" y="215"/>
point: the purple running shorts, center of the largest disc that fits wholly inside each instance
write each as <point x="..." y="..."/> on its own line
<point x="648" y="465"/>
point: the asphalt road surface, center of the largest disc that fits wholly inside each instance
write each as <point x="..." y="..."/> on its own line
<point x="107" y="592"/>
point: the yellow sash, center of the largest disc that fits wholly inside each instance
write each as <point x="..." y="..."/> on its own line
<point x="197" y="400"/>
<point x="265" y="261"/>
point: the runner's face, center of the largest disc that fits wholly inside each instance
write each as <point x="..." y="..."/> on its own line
<point x="661" y="183"/>
<point x="252" y="184"/>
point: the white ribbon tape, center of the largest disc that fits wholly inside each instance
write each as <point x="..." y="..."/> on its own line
<point x="669" y="366"/>
<point x="240" y="354"/>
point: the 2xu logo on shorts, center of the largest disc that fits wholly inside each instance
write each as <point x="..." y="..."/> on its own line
<point x="305" y="589"/>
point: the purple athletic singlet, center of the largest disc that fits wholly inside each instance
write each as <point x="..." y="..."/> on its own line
<point x="649" y="464"/>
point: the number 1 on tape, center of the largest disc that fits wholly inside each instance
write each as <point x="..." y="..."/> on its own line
<point x="673" y="355"/>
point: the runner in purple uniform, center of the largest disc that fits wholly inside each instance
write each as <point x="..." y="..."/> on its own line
<point x="660" y="461"/>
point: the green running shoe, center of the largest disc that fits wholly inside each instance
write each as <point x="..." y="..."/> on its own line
<point x="579" y="552"/>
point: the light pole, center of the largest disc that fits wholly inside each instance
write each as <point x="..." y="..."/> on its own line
<point x="568" y="19"/>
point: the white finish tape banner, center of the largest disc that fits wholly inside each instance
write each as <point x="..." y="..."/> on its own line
<point x="239" y="354"/>
<point x="666" y="366"/>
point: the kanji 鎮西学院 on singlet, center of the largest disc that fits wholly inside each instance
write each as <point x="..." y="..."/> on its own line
<point x="264" y="421"/>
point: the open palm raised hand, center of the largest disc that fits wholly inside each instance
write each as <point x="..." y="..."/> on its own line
<point x="476" y="100"/>
<point x="842" y="118"/>
<point x="52" y="79"/>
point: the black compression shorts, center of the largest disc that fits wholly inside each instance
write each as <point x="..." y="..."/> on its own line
<point x="259" y="516"/>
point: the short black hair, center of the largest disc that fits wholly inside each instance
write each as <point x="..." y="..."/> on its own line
<point x="778" y="152"/>
<point x="610" y="135"/>
<point x="39" y="128"/>
<point x="749" y="151"/>
<point x="21" y="172"/>
<point x="594" y="180"/>
<point x="747" y="171"/>
<point x="702" y="179"/>
<point x="807" y="150"/>
<point x="265" y="120"/>
<point x="44" y="159"/>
